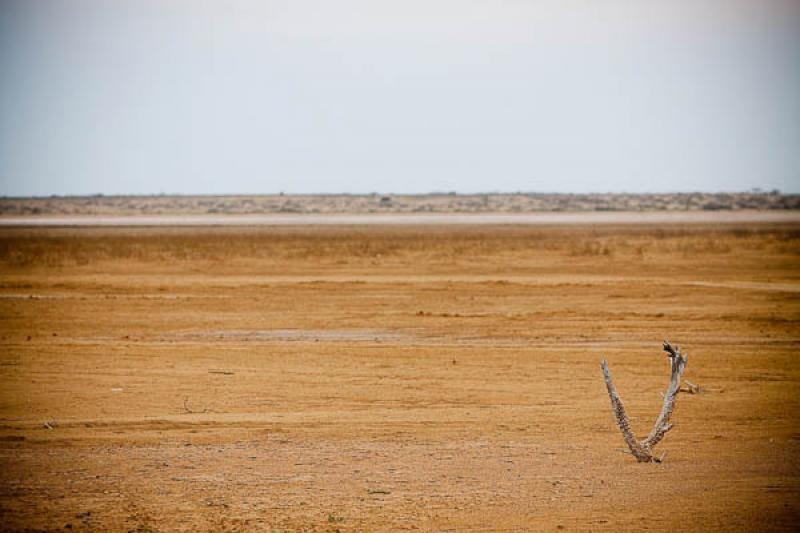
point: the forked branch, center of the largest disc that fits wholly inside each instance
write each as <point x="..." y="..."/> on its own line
<point x="643" y="449"/>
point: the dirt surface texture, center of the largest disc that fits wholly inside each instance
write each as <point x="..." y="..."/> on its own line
<point x="388" y="378"/>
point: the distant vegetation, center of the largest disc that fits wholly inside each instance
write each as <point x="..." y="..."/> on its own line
<point x="387" y="203"/>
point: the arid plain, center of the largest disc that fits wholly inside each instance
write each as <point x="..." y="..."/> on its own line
<point x="384" y="378"/>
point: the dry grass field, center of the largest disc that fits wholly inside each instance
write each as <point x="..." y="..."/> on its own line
<point x="387" y="378"/>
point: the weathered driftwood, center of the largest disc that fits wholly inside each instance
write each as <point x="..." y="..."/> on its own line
<point x="643" y="449"/>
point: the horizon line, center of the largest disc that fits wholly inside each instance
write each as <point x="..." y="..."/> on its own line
<point x="754" y="190"/>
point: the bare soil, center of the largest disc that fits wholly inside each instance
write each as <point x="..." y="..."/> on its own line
<point x="385" y="378"/>
<point x="741" y="217"/>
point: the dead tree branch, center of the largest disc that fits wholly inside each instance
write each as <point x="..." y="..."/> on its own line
<point x="691" y="388"/>
<point x="643" y="449"/>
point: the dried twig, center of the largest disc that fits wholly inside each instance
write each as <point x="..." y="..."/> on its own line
<point x="690" y="388"/>
<point x="643" y="449"/>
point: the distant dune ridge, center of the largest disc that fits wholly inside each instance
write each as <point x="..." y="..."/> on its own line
<point x="390" y="203"/>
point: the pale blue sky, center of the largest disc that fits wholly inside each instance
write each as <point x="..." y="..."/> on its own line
<point x="190" y="96"/>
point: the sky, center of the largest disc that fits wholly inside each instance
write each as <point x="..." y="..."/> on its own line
<point x="411" y="96"/>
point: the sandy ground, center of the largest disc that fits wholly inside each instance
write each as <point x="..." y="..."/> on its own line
<point x="385" y="378"/>
<point x="534" y="219"/>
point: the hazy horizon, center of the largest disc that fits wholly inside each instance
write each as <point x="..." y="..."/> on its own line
<point x="357" y="97"/>
<point x="392" y="193"/>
